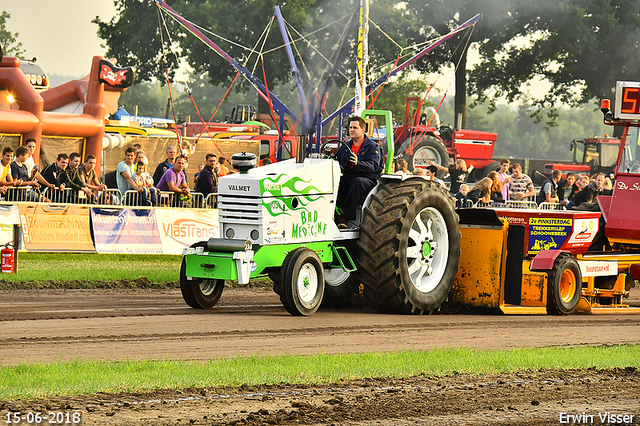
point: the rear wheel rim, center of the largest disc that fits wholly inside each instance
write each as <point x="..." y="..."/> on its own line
<point x="425" y="154"/>
<point x="307" y="284"/>
<point x="427" y="249"/>
<point x="568" y="285"/>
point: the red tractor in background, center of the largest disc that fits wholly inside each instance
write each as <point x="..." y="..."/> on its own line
<point x="419" y="141"/>
<point x="598" y="155"/>
<point x="245" y="124"/>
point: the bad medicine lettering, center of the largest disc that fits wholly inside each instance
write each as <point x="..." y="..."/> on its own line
<point x="309" y="226"/>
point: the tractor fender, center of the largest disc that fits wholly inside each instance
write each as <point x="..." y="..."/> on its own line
<point x="545" y="259"/>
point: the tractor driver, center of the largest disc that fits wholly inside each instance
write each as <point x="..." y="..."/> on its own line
<point x="362" y="165"/>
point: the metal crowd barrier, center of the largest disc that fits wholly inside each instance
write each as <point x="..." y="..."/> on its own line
<point x="135" y="198"/>
<point x="211" y="201"/>
<point x="197" y="200"/>
<point x="23" y="194"/>
<point x="551" y="206"/>
<point x="521" y="204"/>
<point x="57" y="196"/>
<point x="162" y="199"/>
<point x="111" y="197"/>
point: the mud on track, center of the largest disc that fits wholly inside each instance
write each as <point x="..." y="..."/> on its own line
<point x="53" y="325"/>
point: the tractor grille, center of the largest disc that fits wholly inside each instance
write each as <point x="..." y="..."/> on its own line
<point x="233" y="208"/>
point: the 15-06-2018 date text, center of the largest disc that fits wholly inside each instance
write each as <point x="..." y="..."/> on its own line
<point x="44" y="418"/>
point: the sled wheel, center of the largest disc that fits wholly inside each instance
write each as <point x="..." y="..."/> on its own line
<point x="427" y="149"/>
<point x="409" y="247"/>
<point x="564" y="286"/>
<point x="302" y="282"/>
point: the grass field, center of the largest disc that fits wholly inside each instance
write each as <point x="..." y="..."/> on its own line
<point x="40" y="380"/>
<point x="92" y="270"/>
<point x="31" y="381"/>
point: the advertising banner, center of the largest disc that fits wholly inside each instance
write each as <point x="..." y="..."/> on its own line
<point x="126" y="231"/>
<point x="9" y="216"/>
<point x="180" y="228"/>
<point x="547" y="233"/>
<point x="56" y="227"/>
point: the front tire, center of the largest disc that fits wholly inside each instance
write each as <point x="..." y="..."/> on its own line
<point x="302" y="283"/>
<point x="409" y="247"/>
<point x="564" y="286"/>
<point x="200" y="293"/>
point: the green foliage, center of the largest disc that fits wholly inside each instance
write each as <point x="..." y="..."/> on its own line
<point x="41" y="380"/>
<point x="580" y="47"/>
<point x="133" y="36"/>
<point x="520" y="135"/>
<point x="149" y="98"/>
<point x="394" y="95"/>
<point x="12" y="47"/>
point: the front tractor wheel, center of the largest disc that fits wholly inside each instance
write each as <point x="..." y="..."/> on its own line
<point x="200" y="293"/>
<point x="302" y="285"/>
<point x="564" y="286"/>
<point x="409" y="247"/>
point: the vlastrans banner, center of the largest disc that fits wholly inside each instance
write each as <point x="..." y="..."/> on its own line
<point x="184" y="227"/>
<point x="55" y="227"/>
<point x="158" y="231"/>
<point x="9" y="217"/>
<point x="126" y="230"/>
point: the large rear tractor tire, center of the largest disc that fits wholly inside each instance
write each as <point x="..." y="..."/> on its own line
<point x="564" y="286"/>
<point x="200" y="293"/>
<point x="302" y="285"/>
<point x="426" y="149"/>
<point x="409" y="247"/>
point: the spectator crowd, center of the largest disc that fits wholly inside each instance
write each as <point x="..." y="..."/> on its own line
<point x="574" y="192"/>
<point x="68" y="180"/>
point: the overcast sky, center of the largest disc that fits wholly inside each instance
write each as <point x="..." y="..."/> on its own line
<point x="59" y="33"/>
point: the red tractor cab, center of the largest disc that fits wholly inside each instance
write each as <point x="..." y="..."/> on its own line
<point x="598" y="156"/>
<point x="422" y="139"/>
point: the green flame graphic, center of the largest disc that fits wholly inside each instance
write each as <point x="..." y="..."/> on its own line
<point x="284" y="202"/>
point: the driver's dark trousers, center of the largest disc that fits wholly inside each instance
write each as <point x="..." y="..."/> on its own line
<point x="354" y="190"/>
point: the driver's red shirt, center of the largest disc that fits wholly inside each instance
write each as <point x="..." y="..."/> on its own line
<point x="355" y="148"/>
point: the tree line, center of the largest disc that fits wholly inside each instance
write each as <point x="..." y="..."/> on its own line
<point x="520" y="133"/>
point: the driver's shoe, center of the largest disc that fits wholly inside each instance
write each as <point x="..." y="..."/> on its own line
<point x="342" y="222"/>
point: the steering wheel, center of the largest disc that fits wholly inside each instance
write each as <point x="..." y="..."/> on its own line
<point x="323" y="147"/>
<point x="332" y="155"/>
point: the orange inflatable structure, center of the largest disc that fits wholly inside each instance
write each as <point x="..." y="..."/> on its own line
<point x="30" y="114"/>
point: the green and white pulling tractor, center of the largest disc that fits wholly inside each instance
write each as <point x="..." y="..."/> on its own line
<point x="278" y="220"/>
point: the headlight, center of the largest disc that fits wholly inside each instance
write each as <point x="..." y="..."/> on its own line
<point x="230" y="233"/>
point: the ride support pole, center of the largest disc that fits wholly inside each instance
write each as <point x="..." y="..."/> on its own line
<point x="16" y="241"/>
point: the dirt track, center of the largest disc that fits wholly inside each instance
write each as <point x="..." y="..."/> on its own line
<point x="53" y="325"/>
